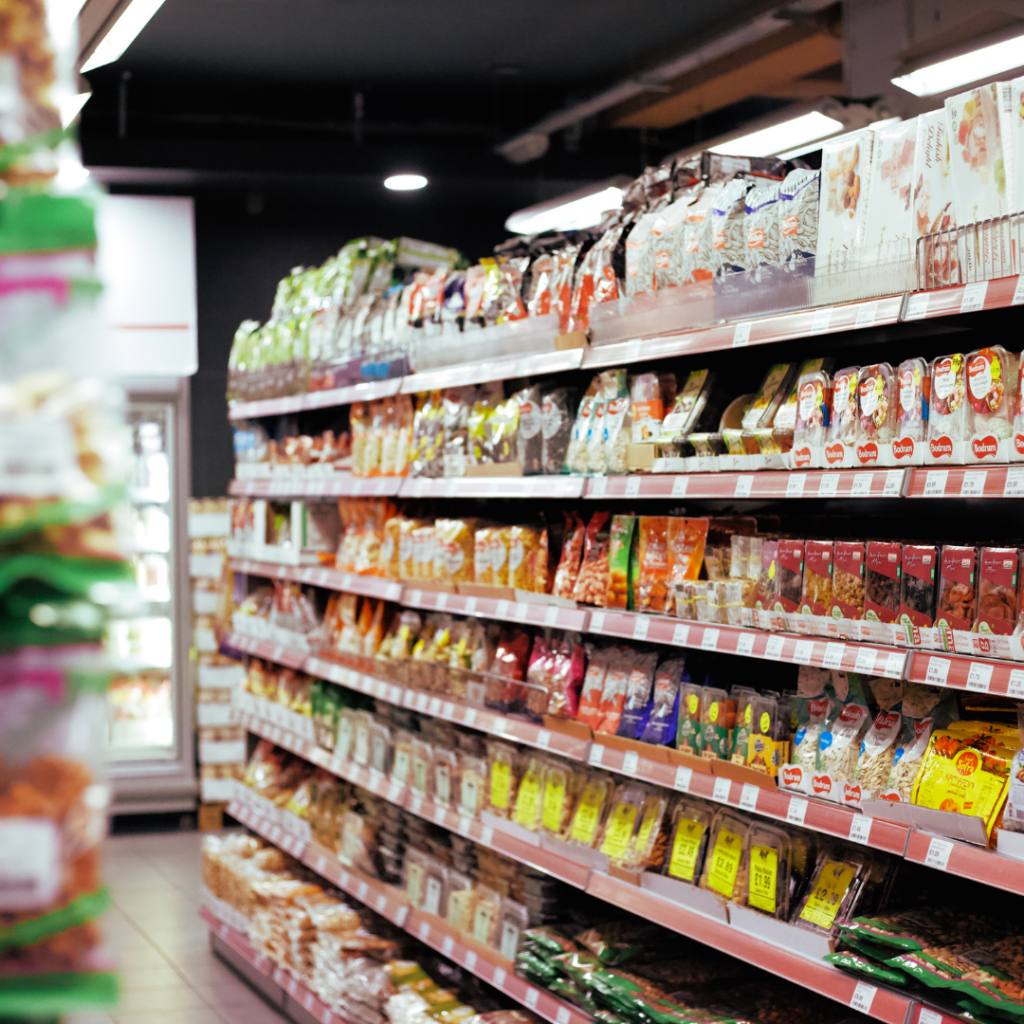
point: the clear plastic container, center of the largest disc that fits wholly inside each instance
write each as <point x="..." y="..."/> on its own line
<point x="725" y="866"/>
<point x="529" y="804"/>
<point x="845" y="426"/>
<point x="991" y="381"/>
<point x="878" y="404"/>
<point x="380" y="748"/>
<point x="882" y="570"/>
<point x="760" y="414"/>
<point x="446" y="776"/>
<point x="515" y="919"/>
<point x="421" y="780"/>
<point x="591" y="808"/>
<point x="769" y="858"/>
<point x="487" y="918"/>
<point x="401" y="760"/>
<point x="461" y="902"/>
<point x="915" y="385"/>
<point x="717" y="721"/>
<point x="767" y="746"/>
<point x="502" y="779"/>
<point x="473" y="796"/>
<point x="362" y="723"/>
<point x="813" y="409"/>
<point x="691" y="825"/>
<point x="688" y="729"/>
<point x="831" y="897"/>
<point x="558" y="798"/>
<point x="947" y="416"/>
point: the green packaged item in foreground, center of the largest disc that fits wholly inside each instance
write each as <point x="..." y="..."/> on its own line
<point x="972" y="975"/>
<point x="577" y="966"/>
<point x="550" y="940"/>
<point x="535" y="968"/>
<point x="619" y="547"/>
<point x="568" y="990"/>
<point x="860" y="965"/>
<point x="688" y="726"/>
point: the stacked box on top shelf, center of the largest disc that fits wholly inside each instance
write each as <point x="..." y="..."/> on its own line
<point x="221" y="745"/>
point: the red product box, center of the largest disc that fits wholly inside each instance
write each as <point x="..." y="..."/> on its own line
<point x="817" y="592"/>
<point x="917" y="593"/>
<point x="958" y="596"/>
<point x="998" y="592"/>
<point x="848" y="580"/>
<point x="883" y="561"/>
<point x="791" y="573"/>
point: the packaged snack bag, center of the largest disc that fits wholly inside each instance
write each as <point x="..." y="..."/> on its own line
<point x="620" y="545"/>
<point x="919" y="716"/>
<point x="691" y="824"/>
<point x="591" y="807"/>
<point x="878" y="748"/>
<point x="811" y="707"/>
<point x="652" y="552"/>
<point x="558" y="798"/>
<point x="500" y="539"/>
<point x="569" y="560"/>
<point x="502" y="779"/>
<point x="914" y="392"/>
<point x="767" y="744"/>
<point x="843" y="201"/>
<point x="789" y="574"/>
<point x="934" y="208"/>
<point x="524" y="547"/>
<point x="646" y="408"/>
<point x="686" y="541"/>
<point x="840" y="739"/>
<point x="798" y="215"/>
<point x="593" y="685"/>
<point x="473" y="794"/>
<point x="766" y="590"/>
<point x="816" y="596"/>
<point x="882" y="570"/>
<point x="769" y="397"/>
<point x="530" y="440"/>
<point x="591" y="584"/>
<point x="688" y="728"/>
<point x="632" y="715"/>
<point x="786" y="419"/>
<point x="557" y="407"/>
<point x="769" y="855"/>
<point x="613" y="694"/>
<point x="762" y="226"/>
<point x="576" y="451"/>
<point x="660" y="724"/>
<point x="998" y="591"/>
<point x="528" y="806"/>
<point x="724" y="866"/>
<point x="717" y="721"/>
<point x="455" y="550"/>
<point x="848" y="580"/>
<point x="957" y="590"/>
<point x="483" y="569"/>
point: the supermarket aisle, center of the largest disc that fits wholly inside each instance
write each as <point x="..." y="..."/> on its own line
<point x="168" y="974"/>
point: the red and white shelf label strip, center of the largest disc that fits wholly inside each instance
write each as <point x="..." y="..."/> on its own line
<point x="1004" y="678"/>
<point x="338" y="485"/>
<point x="966" y="860"/>
<point x="974" y="481"/>
<point x="863" y="483"/>
<point x="363" y="392"/>
<point x="563" y="486"/>
<point x="964" y="298"/>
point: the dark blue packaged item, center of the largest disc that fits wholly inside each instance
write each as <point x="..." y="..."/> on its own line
<point x="638" y="694"/>
<point x="660" y="724"/>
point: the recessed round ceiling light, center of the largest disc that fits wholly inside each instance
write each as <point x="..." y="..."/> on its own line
<point x="405" y="182"/>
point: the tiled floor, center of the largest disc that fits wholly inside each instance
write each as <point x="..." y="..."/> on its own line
<point x="168" y="974"/>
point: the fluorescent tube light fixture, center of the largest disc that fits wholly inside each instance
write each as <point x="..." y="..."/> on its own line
<point x="946" y="75"/>
<point x="787" y="136"/>
<point x="572" y="212"/>
<point x="121" y="34"/>
<point x="70" y="106"/>
<point x="405" y="182"/>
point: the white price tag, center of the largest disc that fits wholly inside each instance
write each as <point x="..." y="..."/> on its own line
<point x="865" y="660"/>
<point x="416" y="805"/>
<point x="551" y="616"/>
<point x="745" y="644"/>
<point x="598" y="486"/>
<point x="501" y="611"/>
<point x="893" y="483"/>
<point x="861" y="487"/>
<point x="682" y="780"/>
<point x="470" y="717"/>
<point x="979" y="677"/>
<point x="447" y="945"/>
<point x="531" y="998"/>
<point x="774" y="647"/>
<point x="938" y="853"/>
<point x="1017" y="300"/>
<point x="308" y="999"/>
<point x="630" y="760"/>
<point x="640" y="626"/>
<point x="721" y="790"/>
<point x="679" y="486"/>
<point x="821" y="320"/>
<point x="744" y="482"/>
<point x="894" y="664"/>
<point x="1015" y="684"/>
<point x="596" y="755"/>
<point x="632" y="487"/>
<point x="465" y="823"/>
<point x="361" y="890"/>
<point x="543" y="739"/>
<point x="562" y="1015"/>
<point x="421" y="702"/>
<point x="416" y="598"/>
<point x="1014" y="486"/>
<point x="797" y="810"/>
<point x="927" y="1016"/>
<point x="741" y="334"/>
<point x="442" y="601"/>
<point x="795" y="485"/>
<point x="469" y="606"/>
<point x="381" y="903"/>
<point x="424" y="931"/>
<point x="680" y="634"/>
<point x="440" y="814"/>
<point x="833" y="657"/>
<point x="448" y="710"/>
<point x="499" y="977"/>
<point x="938" y="671"/>
<point x="321" y="864"/>
<point x="866" y="314"/>
<point x="597" y="622"/>
<point x="863" y="997"/>
<point x="973" y="485"/>
<point x="828" y="485"/>
<point x="803" y="652"/>
<point x="748" y="797"/>
<point x="486" y="836"/>
<point x="860" y="829"/>
<point x="500" y="727"/>
<point x="974" y="297"/>
<point x="520" y="611"/>
<point x="935" y="483"/>
<point x="435" y="706"/>
<point x="470" y="960"/>
<point x="401" y="915"/>
<point x="917" y="306"/>
<point x="709" y="642"/>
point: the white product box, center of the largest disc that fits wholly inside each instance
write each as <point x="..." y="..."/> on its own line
<point x="934" y="203"/>
<point x="214" y="713"/>
<point x="209" y="524"/>
<point x="221" y="751"/>
<point x="844" y="200"/>
<point x="216" y="791"/>
<point x="204" y="602"/>
<point x="221" y="676"/>
<point x="889" y="228"/>
<point x="206" y="565"/>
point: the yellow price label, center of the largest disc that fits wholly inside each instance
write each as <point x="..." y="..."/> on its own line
<point x="771" y="571"/>
<point x="501" y="784"/>
<point x="588" y="813"/>
<point x="619" y="831"/>
<point x="830" y="887"/>
<point x="725" y="862"/>
<point x="764" y="870"/>
<point x="685" y="847"/>
<point x="527" y="801"/>
<point x="554" y="802"/>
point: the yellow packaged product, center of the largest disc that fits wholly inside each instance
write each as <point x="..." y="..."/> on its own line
<point x="483" y="572"/>
<point x="724" y="866"/>
<point x="500" y="541"/>
<point x="502" y="779"/>
<point x="523" y="549"/>
<point x="589" y="814"/>
<point x="558" y="798"/>
<point x="454" y="554"/>
<point x="691" y="824"/>
<point x="632" y="833"/>
<point x="966" y="770"/>
<point x="529" y="797"/>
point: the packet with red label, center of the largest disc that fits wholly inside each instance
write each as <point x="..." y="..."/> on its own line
<point x="914" y="392"/>
<point x="816" y="596"/>
<point x="947" y="416"/>
<point x="848" y="580"/>
<point x="877" y="405"/>
<point x="998" y="591"/>
<point x="957" y="593"/>
<point x="882" y="581"/>
<point x="790" y="573"/>
<point x="917" y="593"/>
<point x="991" y="379"/>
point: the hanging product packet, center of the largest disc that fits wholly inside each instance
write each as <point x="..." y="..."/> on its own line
<point x="569" y="560"/>
<point x="619" y="549"/>
<point x="798" y="216"/>
<point x="761" y="223"/>
<point x="840" y="739"/>
<point x="591" y="584"/>
<point x="557" y="426"/>
<point x="613" y="695"/>
<point x="653" y="557"/>
<point x="530" y="440"/>
<point x="660" y="723"/>
<point x="686" y="539"/>
<point x="878" y="748"/>
<point x="593" y="685"/>
<point x="576" y="452"/>
<point x="812" y="707"/>
<point x="639" y="687"/>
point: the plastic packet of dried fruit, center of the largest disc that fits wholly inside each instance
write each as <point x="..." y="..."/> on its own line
<point x="831" y="897"/>
<point x="686" y="546"/>
<point x="848" y="580"/>
<point x="588" y="816"/>
<point x="840" y="739"/>
<point x="591" y="586"/>
<point x="593" y="685"/>
<point x="502" y="779"/>
<point x="947" y="416"/>
<point x="957" y="589"/>
<point x="915" y="386"/>
<point x="816" y="595"/>
<point x="883" y="562"/>
<point x="769" y="863"/>
<point x="653" y="557"/>
<point x="998" y="591"/>
<point x="724" y="866"/>
<point x="569" y="560"/>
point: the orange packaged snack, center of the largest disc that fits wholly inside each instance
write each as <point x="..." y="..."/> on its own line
<point x="569" y="562"/>
<point x="592" y="580"/>
<point x="454" y="550"/>
<point x="652" y="554"/>
<point x="686" y="540"/>
<point x="499" y="542"/>
<point x="483" y="570"/>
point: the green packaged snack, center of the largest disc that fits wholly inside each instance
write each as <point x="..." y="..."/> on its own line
<point x="549" y="940"/>
<point x="717" y="720"/>
<point x="741" y="731"/>
<point x="688" y="727"/>
<point x="619" y="548"/>
<point x="859" y="965"/>
<point x="533" y="967"/>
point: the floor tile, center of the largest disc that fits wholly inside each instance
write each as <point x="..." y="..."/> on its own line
<point x="179" y="997"/>
<point x="193" y="1016"/>
<point x="146" y="979"/>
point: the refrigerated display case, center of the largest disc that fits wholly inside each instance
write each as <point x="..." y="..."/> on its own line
<point x="150" y="704"/>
